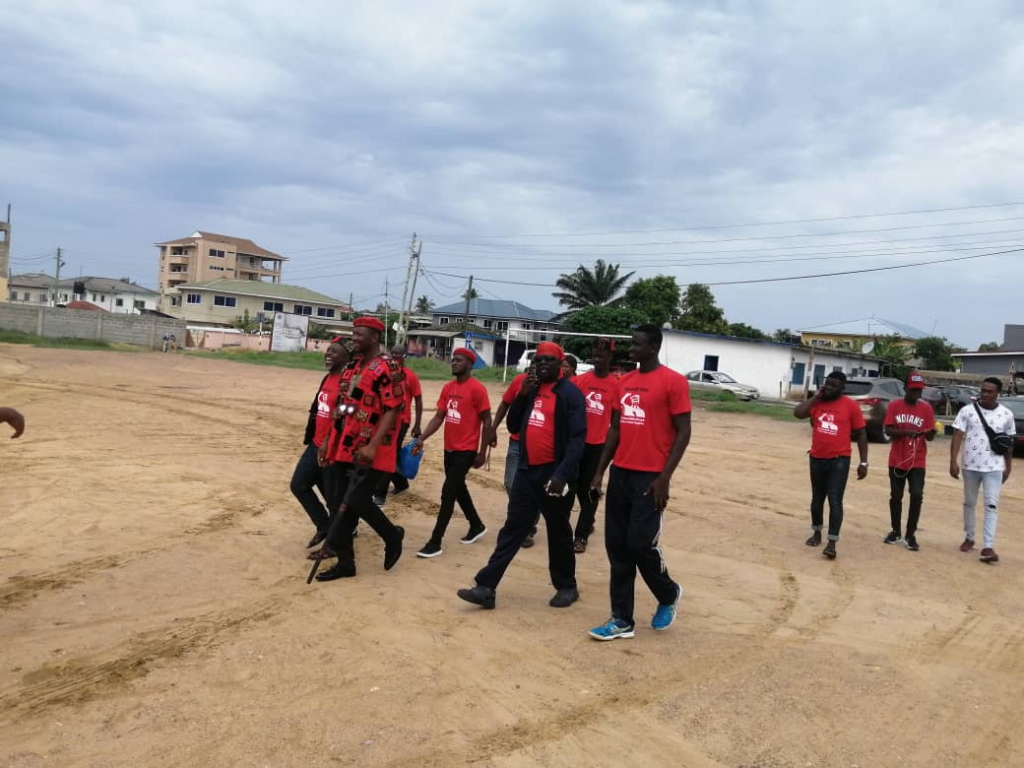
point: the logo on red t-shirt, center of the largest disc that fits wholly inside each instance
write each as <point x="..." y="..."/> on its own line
<point x="827" y="424"/>
<point x="632" y="411"/>
<point x="452" y="415"/>
<point x="537" y="418"/>
<point x="594" y="404"/>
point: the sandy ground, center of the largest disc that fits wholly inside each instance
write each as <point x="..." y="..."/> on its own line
<point x="153" y="608"/>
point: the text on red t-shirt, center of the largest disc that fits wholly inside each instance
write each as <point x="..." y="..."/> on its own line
<point x="647" y="402"/>
<point x="462" y="404"/>
<point x="909" y="452"/>
<point x="832" y="421"/>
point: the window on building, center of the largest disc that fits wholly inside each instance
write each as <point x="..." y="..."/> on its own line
<point x="443" y="321"/>
<point x="216" y="269"/>
<point x="216" y="253"/>
<point x="273" y="306"/>
<point x="302" y="309"/>
<point x="118" y="302"/>
<point x="174" y="301"/>
<point x="178" y="252"/>
<point x="42" y="298"/>
<point x="193" y="298"/>
<point x="224" y="301"/>
<point x="324" y="312"/>
<point x="139" y="304"/>
<point x="103" y="297"/>
<point x="27" y="296"/>
<point x="527" y="327"/>
<point x="502" y="325"/>
<point x="488" y="324"/>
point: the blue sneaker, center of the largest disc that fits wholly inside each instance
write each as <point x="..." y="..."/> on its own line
<point x="613" y="629"/>
<point x="666" y="613"/>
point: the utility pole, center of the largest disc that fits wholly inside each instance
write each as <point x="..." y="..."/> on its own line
<point x="465" y="317"/>
<point x="56" y="279"/>
<point x="385" y="314"/>
<point x="409" y="292"/>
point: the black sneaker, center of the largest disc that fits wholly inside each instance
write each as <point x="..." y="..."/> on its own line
<point x="380" y="501"/>
<point x="579" y="546"/>
<point x="893" y="538"/>
<point x="393" y="551"/>
<point x="398" y="492"/>
<point x="474" y="534"/>
<point x="339" y="571"/>
<point x="565" y="597"/>
<point x="911" y="542"/>
<point x="479" y="595"/>
<point x="430" y="549"/>
<point x="528" y="542"/>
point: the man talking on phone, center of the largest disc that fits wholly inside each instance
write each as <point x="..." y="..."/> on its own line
<point x="551" y="419"/>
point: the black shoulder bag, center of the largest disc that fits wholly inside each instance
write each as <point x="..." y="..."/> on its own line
<point x="1000" y="442"/>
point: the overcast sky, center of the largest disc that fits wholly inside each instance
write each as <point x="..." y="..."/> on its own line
<point x="329" y="132"/>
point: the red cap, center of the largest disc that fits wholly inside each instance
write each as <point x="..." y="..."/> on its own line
<point x="466" y="352"/>
<point x="338" y="340"/>
<point x="369" y="322"/>
<point x="915" y="381"/>
<point x="549" y="349"/>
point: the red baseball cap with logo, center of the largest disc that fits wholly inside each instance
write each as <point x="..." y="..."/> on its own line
<point x="915" y="381"/>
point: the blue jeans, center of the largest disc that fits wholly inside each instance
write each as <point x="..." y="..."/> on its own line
<point x="990" y="484"/>
<point x="305" y="478"/>
<point x="828" y="480"/>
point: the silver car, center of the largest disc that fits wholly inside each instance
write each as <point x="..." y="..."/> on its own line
<point x="722" y="381"/>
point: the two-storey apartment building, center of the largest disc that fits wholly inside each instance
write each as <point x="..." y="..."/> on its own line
<point x="220" y="302"/>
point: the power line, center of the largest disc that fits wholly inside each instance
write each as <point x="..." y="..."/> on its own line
<point x="782" y="279"/>
<point x="742" y="225"/>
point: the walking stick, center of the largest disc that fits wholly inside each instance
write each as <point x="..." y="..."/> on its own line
<point x="358" y="475"/>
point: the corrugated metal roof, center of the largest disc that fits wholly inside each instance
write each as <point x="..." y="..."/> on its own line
<point x="106" y="285"/>
<point x="261" y="289"/>
<point x="499" y="308"/>
<point x="869" y="326"/>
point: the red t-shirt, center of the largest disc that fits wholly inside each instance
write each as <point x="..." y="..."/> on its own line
<point x="412" y="391"/>
<point x="326" y="399"/>
<point x="540" y="427"/>
<point x="511" y="394"/>
<point x="909" y="452"/>
<point x="602" y="396"/>
<point x="648" y="401"/>
<point x="370" y="388"/>
<point x="462" y="403"/>
<point x="832" y="421"/>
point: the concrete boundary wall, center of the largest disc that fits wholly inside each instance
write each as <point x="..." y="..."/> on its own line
<point x="60" y="323"/>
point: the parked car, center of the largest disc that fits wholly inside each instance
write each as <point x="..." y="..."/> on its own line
<point x="1016" y="405"/>
<point x="957" y="397"/>
<point x="527" y="358"/>
<point x="722" y="381"/>
<point x="873" y="396"/>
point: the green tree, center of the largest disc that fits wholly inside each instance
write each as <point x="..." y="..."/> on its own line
<point x="893" y="354"/>
<point x="602" y="320"/>
<point x="317" y="331"/>
<point x="423" y="305"/>
<point x="989" y="346"/>
<point x="470" y="293"/>
<point x="936" y="354"/>
<point x="655" y="297"/>
<point x="590" y="288"/>
<point x="785" y="336"/>
<point x="744" y="331"/>
<point x="699" y="312"/>
<point x="245" y="323"/>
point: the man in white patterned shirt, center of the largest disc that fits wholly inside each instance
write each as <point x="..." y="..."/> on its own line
<point x="982" y="467"/>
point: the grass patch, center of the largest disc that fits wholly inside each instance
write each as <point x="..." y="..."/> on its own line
<point x="712" y="395"/>
<point x="17" y="337"/>
<point x="782" y="413"/>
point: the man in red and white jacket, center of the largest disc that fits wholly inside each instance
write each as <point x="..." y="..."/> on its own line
<point x="910" y="422"/>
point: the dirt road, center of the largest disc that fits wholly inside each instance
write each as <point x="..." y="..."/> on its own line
<point x="153" y="609"/>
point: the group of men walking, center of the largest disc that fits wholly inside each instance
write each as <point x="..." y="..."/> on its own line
<point x="976" y="453"/>
<point x="565" y="434"/>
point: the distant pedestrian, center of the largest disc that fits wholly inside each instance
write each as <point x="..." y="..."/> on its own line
<point x="569" y="365"/>
<point x="413" y="402"/>
<point x="465" y="411"/>
<point x="835" y="421"/>
<point x="552" y="424"/>
<point x="164" y="343"/>
<point x="644" y="446"/>
<point x="983" y="468"/>
<point x="308" y="476"/>
<point x="910" y="423"/>
<point x="601" y="392"/>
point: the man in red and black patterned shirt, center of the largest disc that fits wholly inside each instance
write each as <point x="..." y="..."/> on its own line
<point x="362" y="447"/>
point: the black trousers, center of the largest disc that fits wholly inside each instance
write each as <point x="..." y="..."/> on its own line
<point x="527" y="497"/>
<point x="828" y="481"/>
<point x="632" y="527"/>
<point x="456" y="466"/>
<point x="309" y="476"/>
<point x="396" y="477"/>
<point x="588" y="506"/>
<point x="360" y="506"/>
<point x="898" y="480"/>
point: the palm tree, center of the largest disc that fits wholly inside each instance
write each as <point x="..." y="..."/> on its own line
<point x="423" y="305"/>
<point x="470" y="293"/>
<point x="590" y="288"/>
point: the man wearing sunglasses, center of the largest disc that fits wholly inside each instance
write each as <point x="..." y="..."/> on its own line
<point x="552" y="424"/>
